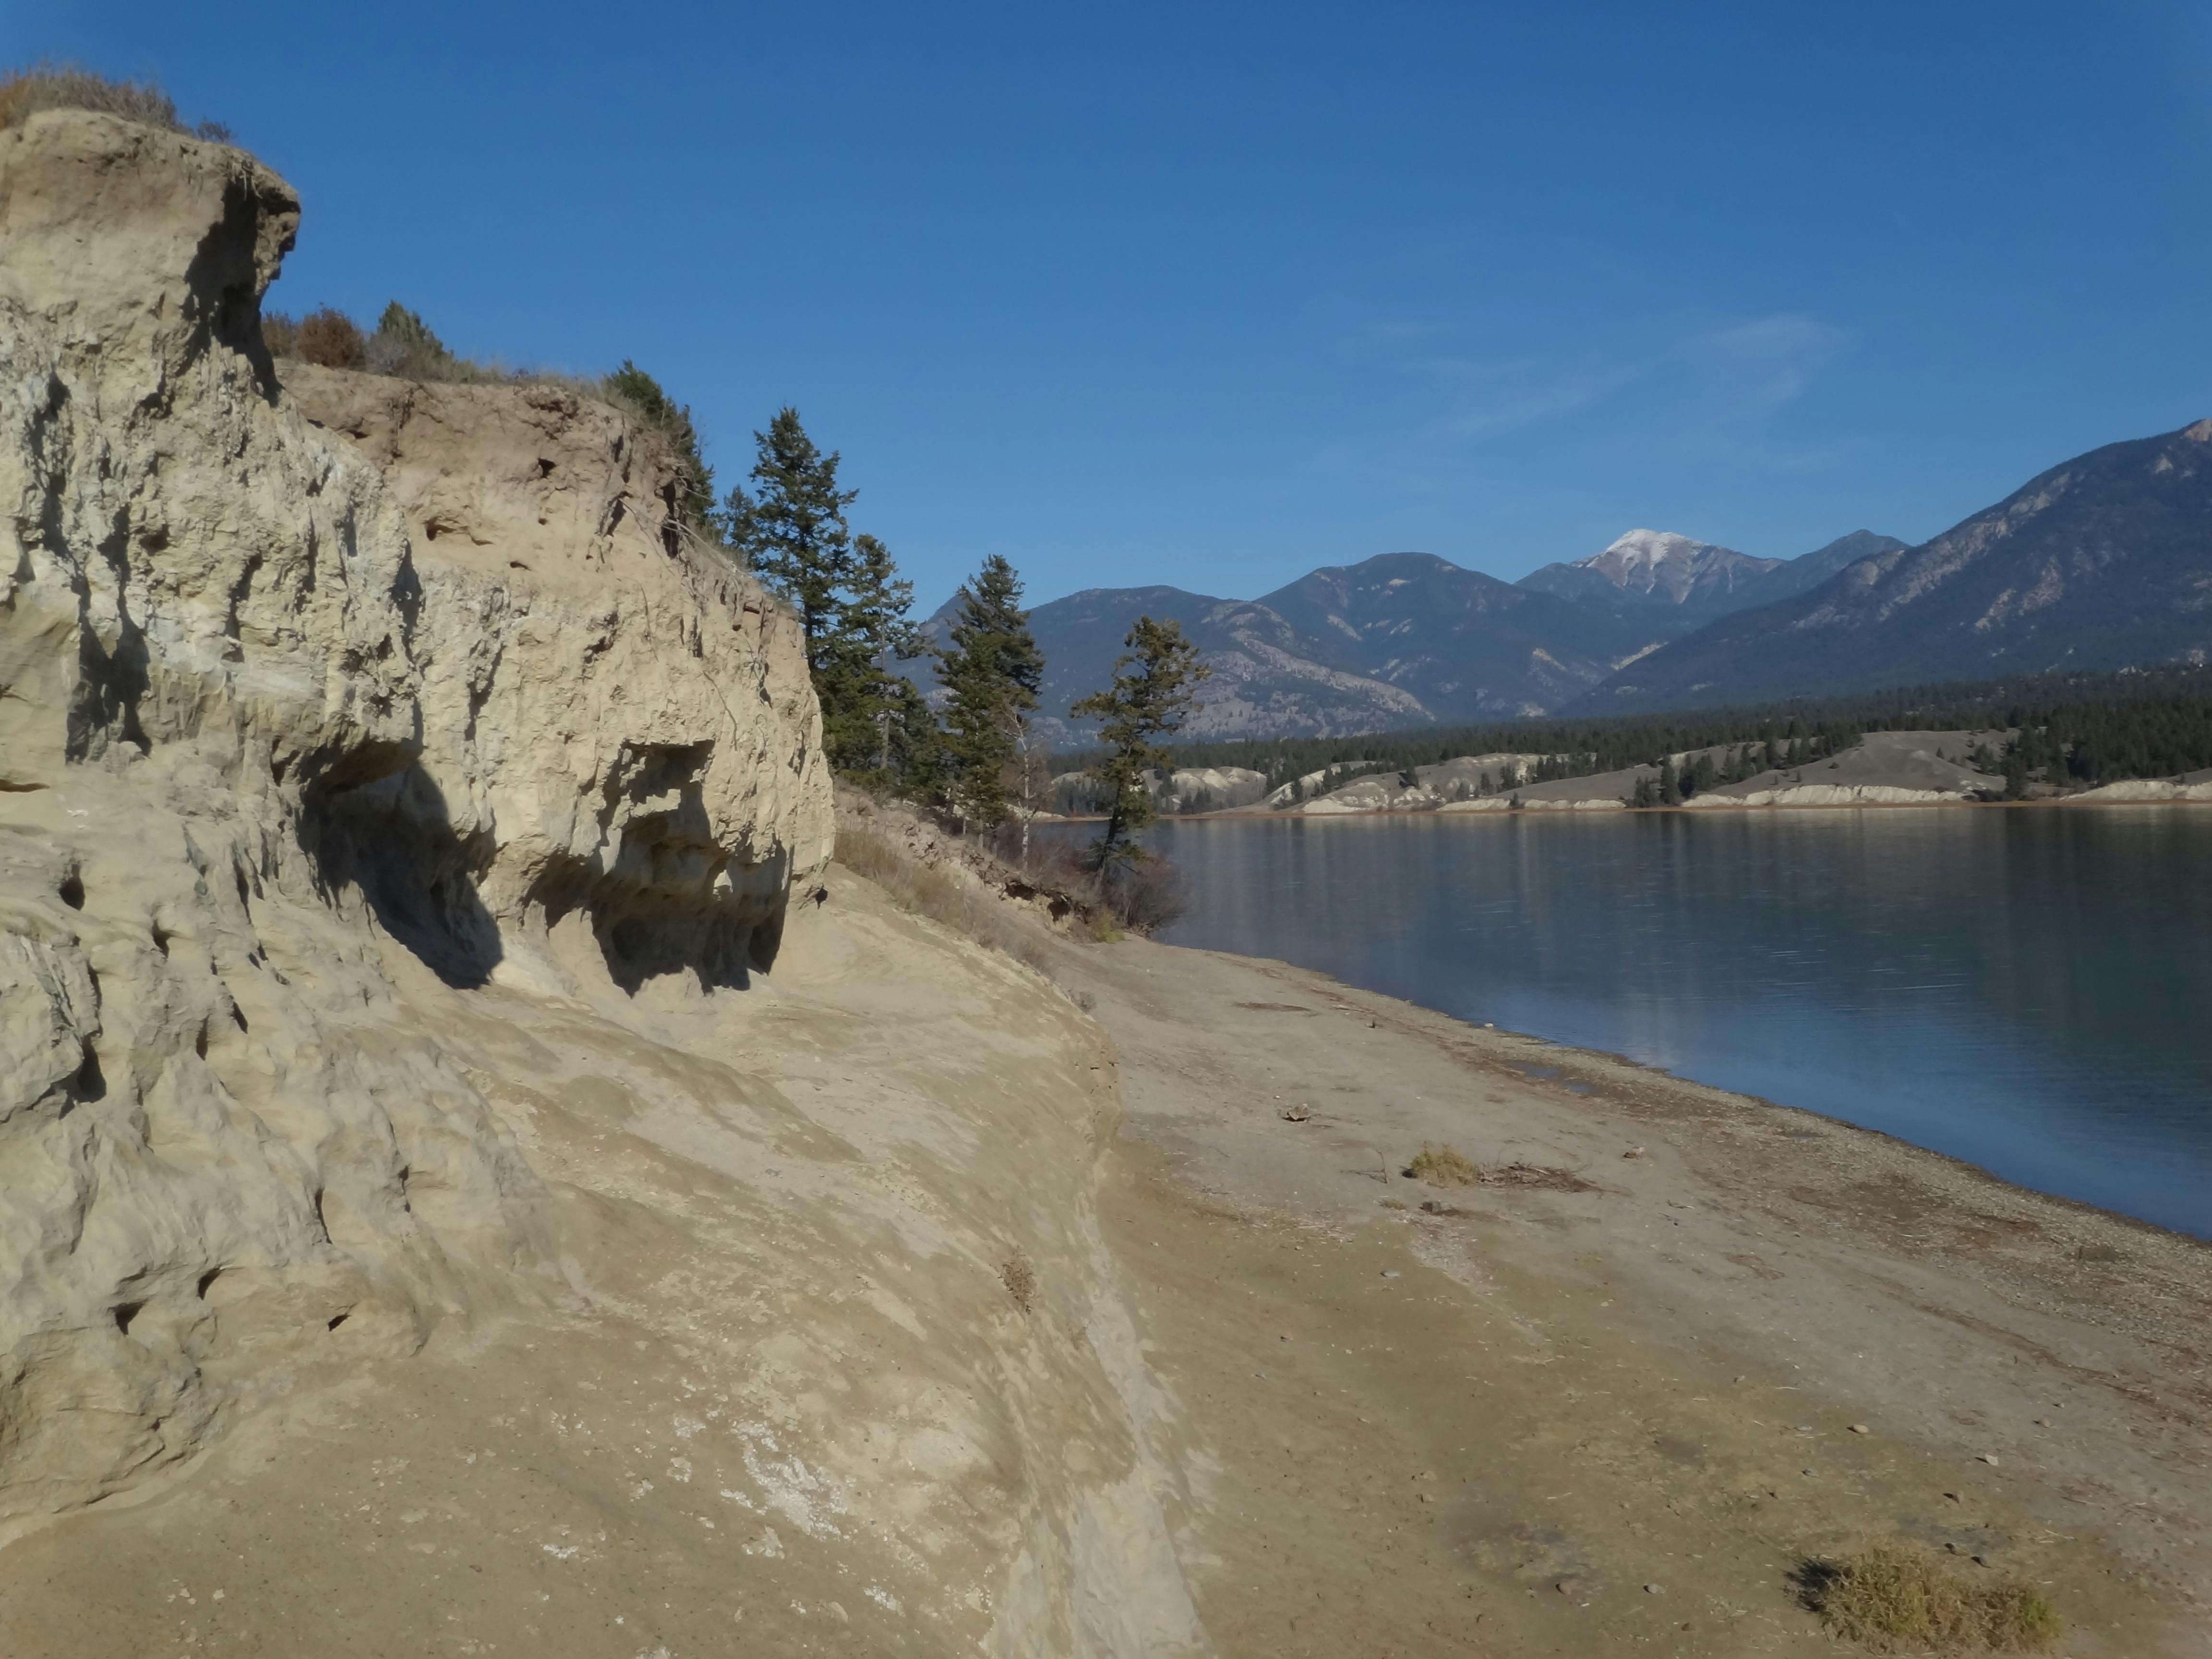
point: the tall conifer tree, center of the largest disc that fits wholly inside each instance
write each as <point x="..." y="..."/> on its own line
<point x="862" y="698"/>
<point x="992" y="673"/>
<point x="793" y="533"/>
<point x="852" y="602"/>
<point x="1155" y="689"/>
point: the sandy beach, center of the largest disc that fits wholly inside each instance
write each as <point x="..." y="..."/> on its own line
<point x="1522" y="1420"/>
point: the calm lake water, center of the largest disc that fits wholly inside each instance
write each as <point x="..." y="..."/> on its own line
<point x="2028" y="990"/>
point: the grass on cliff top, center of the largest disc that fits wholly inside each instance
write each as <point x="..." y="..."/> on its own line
<point x="44" y="86"/>
<point x="402" y="346"/>
<point x="1893" y="1598"/>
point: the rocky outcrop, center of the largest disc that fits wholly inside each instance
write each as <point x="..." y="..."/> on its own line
<point x="286" y="672"/>
<point x="2188" y="786"/>
<point x="619" y="736"/>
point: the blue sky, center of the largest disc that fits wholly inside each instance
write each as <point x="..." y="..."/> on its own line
<point x="1213" y="295"/>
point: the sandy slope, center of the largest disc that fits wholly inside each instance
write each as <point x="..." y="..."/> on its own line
<point x="787" y="1405"/>
<point x="1492" y="1431"/>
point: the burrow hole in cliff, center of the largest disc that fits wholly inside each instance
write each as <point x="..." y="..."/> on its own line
<point x="161" y="938"/>
<point x="72" y="892"/>
<point x="91" y="1082"/>
<point x="124" y="1313"/>
<point x="206" y="1281"/>
<point x="199" y="1041"/>
<point x="337" y="1320"/>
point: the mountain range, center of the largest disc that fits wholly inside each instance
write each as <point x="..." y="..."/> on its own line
<point x="2103" y="562"/>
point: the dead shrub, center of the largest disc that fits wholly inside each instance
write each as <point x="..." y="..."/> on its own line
<point x="1443" y="1166"/>
<point x="1890" y="1598"/>
<point x="1020" y="1280"/>
<point x="1141" y="892"/>
<point x="279" y="334"/>
<point x="1148" y="895"/>
<point x="1537" y="1175"/>
<point x="331" y="339"/>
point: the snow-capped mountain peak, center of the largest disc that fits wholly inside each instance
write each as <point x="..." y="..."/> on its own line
<point x="1647" y="548"/>
<point x="1665" y="565"/>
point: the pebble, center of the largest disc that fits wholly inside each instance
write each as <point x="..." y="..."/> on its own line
<point x="1633" y="1151"/>
<point x="1389" y="1273"/>
<point x="1651" y="1589"/>
<point x="1987" y="1457"/>
<point x="1860" y="1428"/>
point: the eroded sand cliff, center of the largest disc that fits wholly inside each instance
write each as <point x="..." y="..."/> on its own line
<point x="398" y="812"/>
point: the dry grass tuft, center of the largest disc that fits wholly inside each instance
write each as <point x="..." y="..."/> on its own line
<point x="1445" y="1166"/>
<point x="25" y="91"/>
<point x="1892" y="1598"/>
<point x="1020" y="1280"/>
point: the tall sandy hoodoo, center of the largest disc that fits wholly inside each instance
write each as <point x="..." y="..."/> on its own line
<point x="286" y="675"/>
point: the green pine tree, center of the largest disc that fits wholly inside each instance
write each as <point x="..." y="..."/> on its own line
<point x="861" y="696"/>
<point x="405" y="330"/>
<point x="793" y="533"/>
<point x="992" y="675"/>
<point x="854" y="607"/>
<point x="1155" y="689"/>
<point x="1670" y="785"/>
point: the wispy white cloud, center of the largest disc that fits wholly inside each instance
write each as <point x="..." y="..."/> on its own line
<point x="1710" y="392"/>
<point x="1757" y="367"/>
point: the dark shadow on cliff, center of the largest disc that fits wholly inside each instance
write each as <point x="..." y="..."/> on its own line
<point x="673" y="900"/>
<point x="386" y="833"/>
